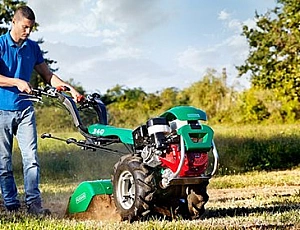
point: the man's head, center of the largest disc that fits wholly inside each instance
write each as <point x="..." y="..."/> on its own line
<point x="22" y="23"/>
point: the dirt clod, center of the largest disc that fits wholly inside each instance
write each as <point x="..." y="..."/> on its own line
<point x="102" y="207"/>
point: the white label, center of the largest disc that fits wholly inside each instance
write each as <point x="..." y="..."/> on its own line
<point x="193" y="115"/>
<point x="80" y="198"/>
<point x="99" y="131"/>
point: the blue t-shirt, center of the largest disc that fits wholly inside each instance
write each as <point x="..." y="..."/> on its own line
<point x="17" y="62"/>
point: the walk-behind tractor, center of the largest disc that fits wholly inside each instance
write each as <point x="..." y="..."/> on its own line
<point x="166" y="170"/>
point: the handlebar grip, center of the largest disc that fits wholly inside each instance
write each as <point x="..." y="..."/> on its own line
<point x="46" y="135"/>
<point x="62" y="88"/>
<point x="80" y="99"/>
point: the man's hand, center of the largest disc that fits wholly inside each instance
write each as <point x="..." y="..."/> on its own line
<point x="77" y="97"/>
<point x="23" y="86"/>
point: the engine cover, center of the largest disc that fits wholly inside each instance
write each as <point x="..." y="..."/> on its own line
<point x="195" y="163"/>
<point x="157" y="128"/>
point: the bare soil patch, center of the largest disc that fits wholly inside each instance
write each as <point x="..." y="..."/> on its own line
<point x="102" y="207"/>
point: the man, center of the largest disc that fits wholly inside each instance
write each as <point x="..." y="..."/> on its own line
<point x="18" y="57"/>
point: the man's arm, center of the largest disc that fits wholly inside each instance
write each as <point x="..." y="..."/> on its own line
<point x="54" y="80"/>
<point x="22" y="85"/>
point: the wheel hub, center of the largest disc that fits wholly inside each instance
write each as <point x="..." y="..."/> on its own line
<point x="126" y="190"/>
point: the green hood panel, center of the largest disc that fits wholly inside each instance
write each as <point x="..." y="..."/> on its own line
<point x="99" y="130"/>
<point x="184" y="113"/>
<point x="197" y="139"/>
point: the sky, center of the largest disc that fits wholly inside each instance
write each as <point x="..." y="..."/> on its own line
<point x="148" y="44"/>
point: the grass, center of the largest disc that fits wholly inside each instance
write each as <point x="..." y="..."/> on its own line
<point x="259" y="199"/>
<point x="289" y="177"/>
<point x="257" y="147"/>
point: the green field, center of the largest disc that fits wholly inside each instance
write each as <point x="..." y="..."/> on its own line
<point x="239" y="198"/>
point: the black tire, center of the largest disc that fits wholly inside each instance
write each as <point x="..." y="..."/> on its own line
<point x="197" y="197"/>
<point x="133" y="187"/>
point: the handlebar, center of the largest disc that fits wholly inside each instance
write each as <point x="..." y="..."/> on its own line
<point x="57" y="92"/>
<point x="49" y="91"/>
<point x="90" y="101"/>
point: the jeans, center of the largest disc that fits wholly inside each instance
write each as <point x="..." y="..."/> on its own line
<point x="22" y="125"/>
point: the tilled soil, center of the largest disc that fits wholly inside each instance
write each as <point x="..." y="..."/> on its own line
<point x="102" y="207"/>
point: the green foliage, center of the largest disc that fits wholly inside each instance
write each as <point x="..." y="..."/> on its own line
<point x="210" y="94"/>
<point x="274" y="65"/>
<point x="132" y="107"/>
<point x="125" y="106"/>
<point x="274" y="59"/>
<point x="253" y="106"/>
<point x="169" y="97"/>
<point x="264" y="105"/>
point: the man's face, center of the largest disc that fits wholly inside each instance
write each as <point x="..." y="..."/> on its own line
<point x="22" y="28"/>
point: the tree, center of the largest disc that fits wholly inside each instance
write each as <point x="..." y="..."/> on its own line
<point x="208" y="94"/>
<point x="168" y="98"/>
<point x="274" y="58"/>
<point x="7" y="8"/>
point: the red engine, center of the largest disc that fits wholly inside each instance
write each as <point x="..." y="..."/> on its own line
<point x="151" y="140"/>
<point x="195" y="163"/>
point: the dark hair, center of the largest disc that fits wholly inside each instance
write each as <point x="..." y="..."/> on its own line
<point x="26" y="12"/>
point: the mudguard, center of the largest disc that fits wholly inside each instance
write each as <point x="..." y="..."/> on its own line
<point x="84" y="193"/>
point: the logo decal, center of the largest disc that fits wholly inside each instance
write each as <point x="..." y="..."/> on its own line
<point x="193" y="115"/>
<point x="80" y="198"/>
<point x="99" y="131"/>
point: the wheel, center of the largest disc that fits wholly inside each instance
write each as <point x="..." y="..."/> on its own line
<point x="133" y="187"/>
<point x="197" y="197"/>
